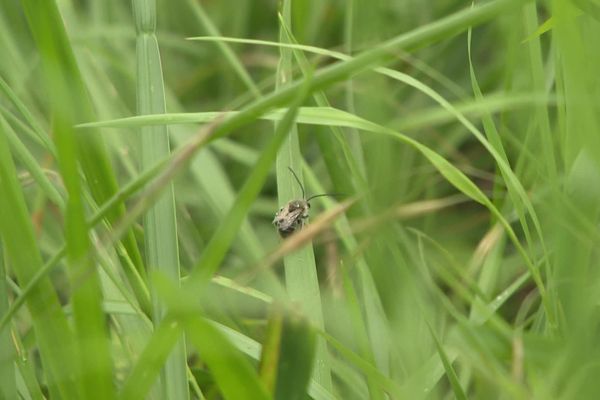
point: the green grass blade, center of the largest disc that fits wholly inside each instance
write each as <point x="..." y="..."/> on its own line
<point x="300" y="269"/>
<point x="54" y="336"/>
<point x="334" y="148"/>
<point x="22" y="153"/>
<point x="333" y="117"/>
<point x="253" y="349"/>
<point x="70" y="92"/>
<point x="296" y="360"/>
<point x="329" y="75"/>
<point x="287" y="356"/>
<point x="8" y="386"/>
<point x="162" y="253"/>
<point x="217" y="247"/>
<point x="544" y="132"/>
<point x="69" y="107"/>
<point x="152" y="360"/>
<point x="459" y="393"/>
<point x="219" y="194"/>
<point x="233" y="373"/>
<point x="114" y="203"/>
<point x="225" y="50"/>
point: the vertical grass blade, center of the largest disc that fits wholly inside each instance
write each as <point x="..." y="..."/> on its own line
<point x="337" y="152"/>
<point x="70" y="105"/>
<point x="53" y="335"/>
<point x="575" y="274"/>
<point x="300" y="269"/>
<point x="58" y="60"/>
<point x="217" y="248"/>
<point x="160" y="225"/>
<point x="8" y="387"/>
<point x="296" y="360"/>
<point x="287" y="355"/>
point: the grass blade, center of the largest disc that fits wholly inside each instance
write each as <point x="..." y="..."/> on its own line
<point x="54" y="336"/>
<point x="162" y="253"/>
<point x="300" y="270"/>
<point x="233" y="373"/>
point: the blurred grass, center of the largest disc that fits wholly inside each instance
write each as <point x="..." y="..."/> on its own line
<point x="160" y="225"/>
<point x="413" y="292"/>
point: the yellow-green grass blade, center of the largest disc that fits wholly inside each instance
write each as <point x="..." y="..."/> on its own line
<point x="514" y="190"/>
<point x="26" y="379"/>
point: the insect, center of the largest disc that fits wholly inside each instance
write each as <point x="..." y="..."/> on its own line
<point x="293" y="215"/>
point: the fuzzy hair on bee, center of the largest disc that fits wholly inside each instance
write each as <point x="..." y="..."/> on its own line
<point x="294" y="214"/>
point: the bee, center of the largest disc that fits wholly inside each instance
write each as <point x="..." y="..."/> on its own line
<point x="293" y="215"/>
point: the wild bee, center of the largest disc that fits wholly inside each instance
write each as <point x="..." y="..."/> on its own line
<point x="293" y="215"/>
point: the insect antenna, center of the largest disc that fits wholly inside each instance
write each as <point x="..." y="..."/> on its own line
<point x="297" y="180"/>
<point x="324" y="194"/>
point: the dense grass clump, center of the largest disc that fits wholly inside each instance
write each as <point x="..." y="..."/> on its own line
<point x="145" y="148"/>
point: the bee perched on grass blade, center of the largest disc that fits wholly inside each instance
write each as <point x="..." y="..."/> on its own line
<point x="292" y="216"/>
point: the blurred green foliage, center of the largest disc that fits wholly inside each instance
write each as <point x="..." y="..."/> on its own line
<point x="466" y="138"/>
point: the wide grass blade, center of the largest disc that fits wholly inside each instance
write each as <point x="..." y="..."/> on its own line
<point x="300" y="269"/>
<point x="160" y="226"/>
<point x="288" y="352"/>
